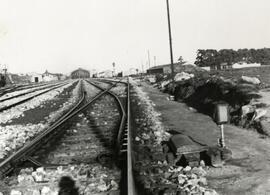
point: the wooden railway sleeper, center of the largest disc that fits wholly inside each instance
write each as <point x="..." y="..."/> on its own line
<point x="6" y="169"/>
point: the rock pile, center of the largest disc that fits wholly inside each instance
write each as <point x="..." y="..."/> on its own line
<point x="89" y="179"/>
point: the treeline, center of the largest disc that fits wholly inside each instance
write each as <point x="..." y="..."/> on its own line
<point x="2" y="80"/>
<point x="211" y="57"/>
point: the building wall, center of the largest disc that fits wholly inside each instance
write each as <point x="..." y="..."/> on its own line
<point x="245" y="65"/>
<point x="105" y="74"/>
<point x="48" y="78"/>
<point x="206" y="68"/>
<point x="36" y="78"/>
<point x="80" y="74"/>
<point x="155" y="71"/>
<point x="165" y="69"/>
<point x="221" y="67"/>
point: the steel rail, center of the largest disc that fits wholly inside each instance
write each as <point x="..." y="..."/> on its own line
<point x="7" y="164"/>
<point x="122" y="138"/>
<point x="33" y="90"/>
<point x="127" y="134"/>
<point x="9" y="88"/>
<point x="24" y="153"/>
<point x="4" y="91"/>
<point x="29" y="98"/>
<point x="123" y="122"/>
<point x="130" y="178"/>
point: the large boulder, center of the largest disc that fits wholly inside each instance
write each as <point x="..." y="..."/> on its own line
<point x="152" y="80"/>
<point x="252" y="80"/>
<point x="265" y="127"/>
<point x="163" y="84"/>
<point x="259" y="113"/>
<point x="183" y="76"/>
<point x="246" y="109"/>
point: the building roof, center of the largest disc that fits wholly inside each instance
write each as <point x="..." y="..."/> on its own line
<point x="158" y="67"/>
<point x="105" y="71"/>
<point x="79" y="70"/>
<point x="33" y="74"/>
<point x="54" y="74"/>
<point x="167" y="65"/>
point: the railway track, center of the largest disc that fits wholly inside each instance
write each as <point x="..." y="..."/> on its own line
<point x="123" y="103"/>
<point x="5" y="90"/>
<point x="45" y="90"/>
<point x="31" y="91"/>
<point x="91" y="136"/>
<point x="10" y="89"/>
<point x="124" y="136"/>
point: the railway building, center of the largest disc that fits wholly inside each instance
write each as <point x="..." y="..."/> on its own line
<point x="160" y="69"/>
<point x="35" y="77"/>
<point x="105" y="74"/>
<point x="166" y="69"/>
<point x="80" y="73"/>
<point x="47" y="76"/>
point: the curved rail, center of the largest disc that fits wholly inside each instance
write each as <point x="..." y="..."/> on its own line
<point x="121" y="139"/>
<point x="127" y="139"/>
<point x="26" y="151"/>
<point x="23" y="153"/>
<point x="124" y="139"/>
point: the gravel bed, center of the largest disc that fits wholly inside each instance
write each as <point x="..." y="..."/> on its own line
<point x="18" y="111"/>
<point x="90" y="89"/>
<point x="102" y="84"/>
<point x="152" y="169"/>
<point x="41" y="114"/>
<point x="7" y="90"/>
<point x="27" y="90"/>
<point x="18" y="99"/>
<point x="120" y="90"/>
<point x="90" y="179"/>
<point x="87" y="136"/>
<point x="15" y="136"/>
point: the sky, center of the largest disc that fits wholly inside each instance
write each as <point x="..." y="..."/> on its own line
<point x="63" y="35"/>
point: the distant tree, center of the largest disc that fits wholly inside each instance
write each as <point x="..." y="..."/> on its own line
<point x="247" y="55"/>
<point x="206" y="57"/>
<point x="2" y="80"/>
<point x="252" y="56"/>
<point x="228" y="56"/>
<point x="181" y="60"/>
<point x="242" y="55"/>
<point x="262" y="56"/>
<point x="211" y="57"/>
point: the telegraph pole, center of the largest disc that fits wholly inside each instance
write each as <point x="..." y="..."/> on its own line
<point x="170" y="40"/>
<point x="148" y="58"/>
<point x="113" y="64"/>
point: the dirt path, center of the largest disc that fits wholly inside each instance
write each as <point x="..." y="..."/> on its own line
<point x="249" y="170"/>
<point x="178" y="117"/>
